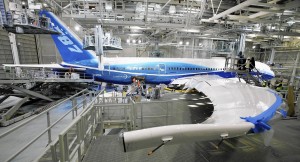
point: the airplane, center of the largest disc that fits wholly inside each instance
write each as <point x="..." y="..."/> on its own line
<point x="239" y="108"/>
<point x="121" y="70"/>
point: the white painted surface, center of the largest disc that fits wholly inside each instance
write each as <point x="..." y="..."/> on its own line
<point x="232" y="100"/>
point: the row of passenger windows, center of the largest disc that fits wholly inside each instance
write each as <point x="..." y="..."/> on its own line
<point x="170" y="68"/>
<point x="179" y="68"/>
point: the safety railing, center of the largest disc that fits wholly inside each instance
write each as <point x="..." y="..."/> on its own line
<point x="103" y="112"/>
<point x="73" y="141"/>
<point x="82" y="104"/>
<point x="115" y="116"/>
<point x="152" y="114"/>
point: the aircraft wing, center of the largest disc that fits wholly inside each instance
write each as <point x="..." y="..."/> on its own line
<point x="238" y="109"/>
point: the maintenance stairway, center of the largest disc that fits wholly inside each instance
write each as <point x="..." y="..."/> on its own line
<point x="253" y="77"/>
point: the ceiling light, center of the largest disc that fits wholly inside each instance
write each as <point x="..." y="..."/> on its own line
<point x="140" y="41"/>
<point x="187" y="43"/>
<point x="253" y="47"/>
<point x="133" y="41"/>
<point x="77" y="28"/>
<point x="180" y="42"/>
<point x="172" y="9"/>
<point x="128" y="40"/>
<point x="200" y="44"/>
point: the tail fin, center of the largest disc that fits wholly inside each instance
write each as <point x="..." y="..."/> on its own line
<point x="68" y="44"/>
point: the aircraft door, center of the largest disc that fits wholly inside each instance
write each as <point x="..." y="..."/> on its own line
<point x="161" y="69"/>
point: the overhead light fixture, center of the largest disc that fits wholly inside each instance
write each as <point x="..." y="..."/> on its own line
<point x="180" y="42"/>
<point x="45" y="4"/>
<point x="172" y="9"/>
<point x="133" y="41"/>
<point x="23" y="3"/>
<point x="253" y="47"/>
<point x="128" y="40"/>
<point x="140" y="41"/>
<point x="187" y="43"/>
<point x="291" y="22"/>
<point x="77" y="28"/>
<point x="200" y="44"/>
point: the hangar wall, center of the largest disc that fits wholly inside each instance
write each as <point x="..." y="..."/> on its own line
<point x="26" y="45"/>
<point x="5" y="52"/>
<point x="47" y="50"/>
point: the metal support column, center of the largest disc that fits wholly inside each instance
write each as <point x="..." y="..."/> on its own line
<point x="298" y="108"/>
<point x="48" y="125"/>
<point x="146" y="12"/>
<point x="14" y="50"/>
<point x="193" y="45"/>
<point x="241" y="47"/>
<point x="272" y="56"/>
<point x="74" y="107"/>
<point x="294" y="70"/>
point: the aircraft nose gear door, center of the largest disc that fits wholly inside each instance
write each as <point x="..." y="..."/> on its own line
<point x="161" y="69"/>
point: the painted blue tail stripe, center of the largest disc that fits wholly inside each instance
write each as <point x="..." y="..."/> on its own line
<point x="68" y="45"/>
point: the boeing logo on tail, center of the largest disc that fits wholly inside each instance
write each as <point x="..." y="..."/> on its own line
<point x="69" y="45"/>
<point x="67" y="41"/>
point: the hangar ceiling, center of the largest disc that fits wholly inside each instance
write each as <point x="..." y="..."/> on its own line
<point x="271" y="21"/>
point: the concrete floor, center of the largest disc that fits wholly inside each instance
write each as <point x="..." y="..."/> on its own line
<point x="285" y="145"/>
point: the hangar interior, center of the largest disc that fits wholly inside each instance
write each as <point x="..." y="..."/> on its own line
<point x="268" y="30"/>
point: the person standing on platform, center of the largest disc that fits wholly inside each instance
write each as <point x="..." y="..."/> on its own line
<point x="248" y="64"/>
<point x="252" y="64"/>
<point x="124" y="95"/>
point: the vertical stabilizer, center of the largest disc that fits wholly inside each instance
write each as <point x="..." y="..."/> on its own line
<point x="69" y="45"/>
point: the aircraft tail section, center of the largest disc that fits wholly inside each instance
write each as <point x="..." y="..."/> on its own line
<point x="69" y="45"/>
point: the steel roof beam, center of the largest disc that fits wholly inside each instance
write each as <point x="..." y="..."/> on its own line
<point x="233" y="9"/>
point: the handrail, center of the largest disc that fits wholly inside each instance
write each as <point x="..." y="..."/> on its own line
<point x="74" y="121"/>
<point x="9" y="131"/>
<point x="79" y="116"/>
<point x="48" y="128"/>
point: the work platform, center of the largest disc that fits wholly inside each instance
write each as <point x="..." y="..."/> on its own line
<point x="27" y="140"/>
<point x="14" y="75"/>
<point x="29" y="29"/>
